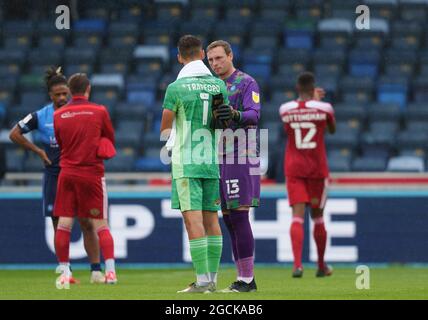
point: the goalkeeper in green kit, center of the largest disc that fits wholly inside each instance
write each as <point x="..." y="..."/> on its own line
<point x="194" y="106"/>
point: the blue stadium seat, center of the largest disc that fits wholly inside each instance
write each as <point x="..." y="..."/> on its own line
<point x="243" y="14"/>
<point x="277" y="15"/>
<point x="414" y="152"/>
<point x="334" y="33"/>
<point x="22" y="43"/>
<point x="393" y="90"/>
<point x="413" y="10"/>
<point x="364" y="63"/>
<point x="417" y="125"/>
<point x="372" y="164"/>
<point x="339" y="164"/>
<point x="123" y="28"/>
<point x="89" y="26"/>
<point x="208" y="14"/>
<point x="87" y="41"/>
<point x="384" y="112"/>
<point x="372" y="39"/>
<point x="308" y="9"/>
<point x="78" y="68"/>
<point x="74" y="55"/>
<point x="278" y="5"/>
<point x="34" y="99"/>
<point x="406" y="164"/>
<point x="386" y="9"/>
<point x="270" y="112"/>
<point x="345" y="137"/>
<point x="406" y="35"/>
<point x="55" y="42"/>
<point x="408" y="139"/>
<point x="122" y="162"/>
<point x="299" y="34"/>
<point x="125" y="138"/>
<point x="420" y="89"/>
<point x="15" y="159"/>
<point x="18" y="28"/>
<point x="417" y="112"/>
<point x="151" y="164"/>
<point x="357" y="90"/>
<point x="130" y="111"/>
<point x="376" y="150"/>
<point x="345" y="112"/>
<point x="389" y="127"/>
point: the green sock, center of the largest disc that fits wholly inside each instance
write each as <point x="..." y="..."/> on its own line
<point x="215" y="246"/>
<point x="199" y="254"/>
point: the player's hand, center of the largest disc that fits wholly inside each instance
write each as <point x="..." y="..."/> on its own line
<point x="223" y="112"/>
<point x="42" y="154"/>
<point x="319" y="94"/>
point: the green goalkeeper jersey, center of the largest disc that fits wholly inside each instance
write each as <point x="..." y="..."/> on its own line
<point x="194" y="153"/>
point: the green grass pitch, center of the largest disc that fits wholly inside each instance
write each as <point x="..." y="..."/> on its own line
<point x="395" y="282"/>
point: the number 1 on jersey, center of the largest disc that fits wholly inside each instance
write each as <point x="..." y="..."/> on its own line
<point x="205" y="97"/>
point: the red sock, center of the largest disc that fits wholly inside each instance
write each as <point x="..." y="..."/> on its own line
<point x="320" y="236"/>
<point x="297" y="235"/>
<point x="106" y="243"/>
<point x="62" y="244"/>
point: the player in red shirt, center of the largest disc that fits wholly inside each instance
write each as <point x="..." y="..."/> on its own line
<point x="306" y="170"/>
<point x="83" y="131"/>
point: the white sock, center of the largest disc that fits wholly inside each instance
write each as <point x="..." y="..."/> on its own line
<point x="110" y="265"/>
<point x="246" y="280"/>
<point x="64" y="267"/>
<point x="203" y="279"/>
<point x="213" y="277"/>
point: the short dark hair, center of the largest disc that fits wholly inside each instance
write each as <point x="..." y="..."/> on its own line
<point x="53" y="77"/>
<point x="306" y="81"/>
<point x="189" y="46"/>
<point x="78" y="83"/>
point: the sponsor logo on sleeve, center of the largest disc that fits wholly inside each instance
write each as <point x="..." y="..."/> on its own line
<point x="256" y="97"/>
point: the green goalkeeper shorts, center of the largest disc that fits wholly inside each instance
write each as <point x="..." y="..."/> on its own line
<point x="195" y="194"/>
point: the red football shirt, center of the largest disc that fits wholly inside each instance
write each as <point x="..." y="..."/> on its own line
<point x="79" y="127"/>
<point x="305" y="123"/>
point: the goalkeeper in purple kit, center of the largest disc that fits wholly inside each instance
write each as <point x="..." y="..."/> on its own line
<point x="239" y="162"/>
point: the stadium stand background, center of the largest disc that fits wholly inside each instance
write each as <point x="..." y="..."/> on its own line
<point x="377" y="79"/>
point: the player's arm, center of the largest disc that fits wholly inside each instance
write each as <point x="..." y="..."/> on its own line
<point x="331" y="121"/>
<point x="168" y="115"/>
<point x="56" y="132"/>
<point x="26" y="125"/>
<point x="251" y="103"/>
<point x="107" y="131"/>
<point x="331" y="126"/>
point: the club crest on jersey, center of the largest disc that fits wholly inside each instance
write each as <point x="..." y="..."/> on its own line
<point x="94" y="212"/>
<point x="256" y="97"/>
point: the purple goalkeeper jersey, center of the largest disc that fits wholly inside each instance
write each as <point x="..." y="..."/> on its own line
<point x="240" y="180"/>
<point x="244" y="96"/>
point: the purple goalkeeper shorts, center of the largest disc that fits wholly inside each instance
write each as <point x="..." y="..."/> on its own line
<point x="239" y="185"/>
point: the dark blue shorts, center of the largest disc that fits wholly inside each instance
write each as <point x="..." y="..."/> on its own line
<point x="50" y="181"/>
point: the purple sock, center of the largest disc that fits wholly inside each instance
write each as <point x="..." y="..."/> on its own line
<point x="247" y="267"/>
<point x="244" y="241"/>
<point x="228" y="223"/>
